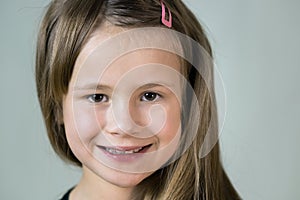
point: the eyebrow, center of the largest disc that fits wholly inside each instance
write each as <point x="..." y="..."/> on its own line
<point x="152" y="85"/>
<point x="106" y="87"/>
<point x="93" y="87"/>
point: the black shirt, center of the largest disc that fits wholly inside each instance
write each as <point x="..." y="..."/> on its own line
<point x="66" y="196"/>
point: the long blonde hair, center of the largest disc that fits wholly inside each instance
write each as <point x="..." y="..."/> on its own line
<point x="65" y="29"/>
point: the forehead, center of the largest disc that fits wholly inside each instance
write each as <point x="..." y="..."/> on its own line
<point x="108" y="39"/>
<point x="142" y="58"/>
<point x="109" y="54"/>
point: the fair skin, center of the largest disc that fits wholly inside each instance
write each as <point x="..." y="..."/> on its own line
<point x="122" y="120"/>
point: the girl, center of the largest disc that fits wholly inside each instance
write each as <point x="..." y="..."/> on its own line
<point x="126" y="91"/>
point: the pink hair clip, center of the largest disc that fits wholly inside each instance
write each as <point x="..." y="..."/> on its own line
<point x="168" y="23"/>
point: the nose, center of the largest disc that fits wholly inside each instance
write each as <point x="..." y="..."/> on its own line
<point x="125" y="118"/>
<point x="119" y="119"/>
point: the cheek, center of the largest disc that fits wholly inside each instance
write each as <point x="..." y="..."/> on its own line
<point x="168" y="138"/>
<point x="171" y="131"/>
<point x="81" y="126"/>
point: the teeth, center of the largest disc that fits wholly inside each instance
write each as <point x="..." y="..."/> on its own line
<point x="116" y="151"/>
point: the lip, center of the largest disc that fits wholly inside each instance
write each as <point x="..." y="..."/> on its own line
<point x="124" y="148"/>
<point x="124" y="153"/>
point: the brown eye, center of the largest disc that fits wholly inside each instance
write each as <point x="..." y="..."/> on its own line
<point x="98" y="98"/>
<point x="150" y="96"/>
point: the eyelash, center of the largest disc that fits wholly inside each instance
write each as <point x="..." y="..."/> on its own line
<point x="152" y="93"/>
<point x="92" y="98"/>
<point x="101" y="98"/>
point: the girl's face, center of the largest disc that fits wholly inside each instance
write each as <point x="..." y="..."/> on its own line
<point x="122" y="113"/>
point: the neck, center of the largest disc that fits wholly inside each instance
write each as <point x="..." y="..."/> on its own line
<point x="93" y="187"/>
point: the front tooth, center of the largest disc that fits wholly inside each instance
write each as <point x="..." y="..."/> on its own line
<point x="115" y="151"/>
<point x="137" y="150"/>
<point x="128" y="152"/>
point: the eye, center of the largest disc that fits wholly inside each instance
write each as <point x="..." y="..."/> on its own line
<point x="98" y="98"/>
<point x="150" y="96"/>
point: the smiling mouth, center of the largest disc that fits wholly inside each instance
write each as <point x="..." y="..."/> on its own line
<point x="126" y="150"/>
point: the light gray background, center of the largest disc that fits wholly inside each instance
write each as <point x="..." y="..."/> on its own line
<point x="256" y="44"/>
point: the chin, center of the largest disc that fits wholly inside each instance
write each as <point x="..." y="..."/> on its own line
<point x="126" y="180"/>
<point x="115" y="177"/>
